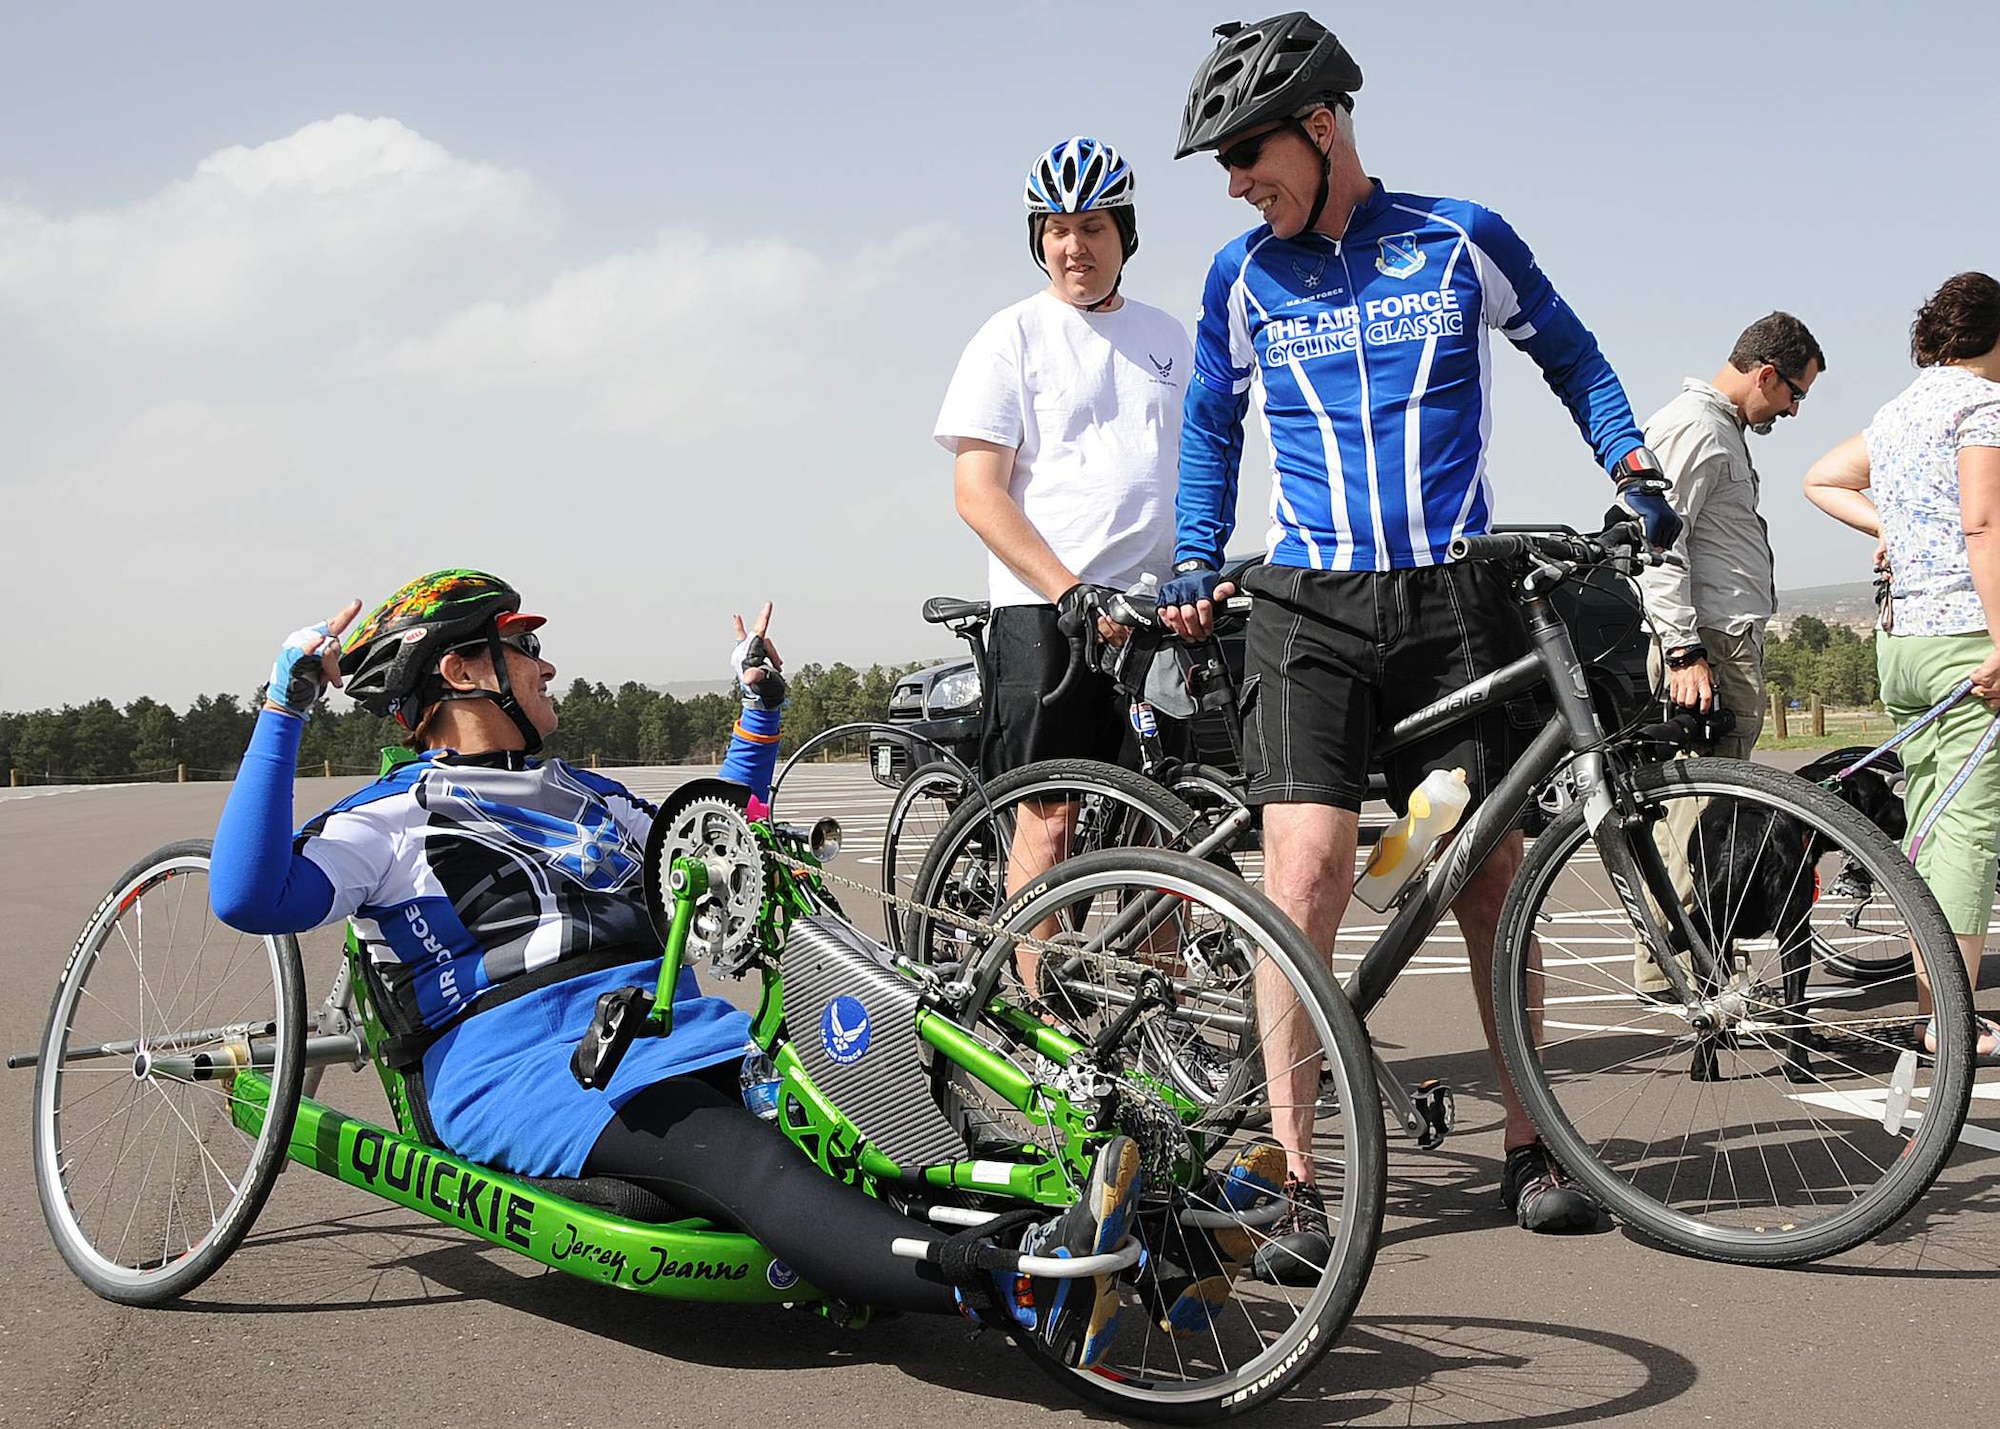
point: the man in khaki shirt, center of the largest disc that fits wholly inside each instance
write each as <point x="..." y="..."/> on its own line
<point x="1710" y="615"/>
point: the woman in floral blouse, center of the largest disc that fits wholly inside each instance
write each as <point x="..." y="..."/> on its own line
<point x="1925" y="478"/>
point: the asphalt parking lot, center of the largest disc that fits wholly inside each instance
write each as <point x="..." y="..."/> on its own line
<point x="338" y="1306"/>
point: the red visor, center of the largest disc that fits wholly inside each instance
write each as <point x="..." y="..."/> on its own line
<point x="515" y="622"/>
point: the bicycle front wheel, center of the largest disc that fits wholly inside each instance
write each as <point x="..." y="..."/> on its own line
<point x="1779" y="1114"/>
<point x="1170" y="932"/>
<point x="144" y="1178"/>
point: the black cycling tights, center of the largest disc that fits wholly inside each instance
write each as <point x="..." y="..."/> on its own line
<point x="698" y="1146"/>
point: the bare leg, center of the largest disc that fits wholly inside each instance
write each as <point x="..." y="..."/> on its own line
<point x="1043" y="830"/>
<point x="1309" y="874"/>
<point x="1477" y="909"/>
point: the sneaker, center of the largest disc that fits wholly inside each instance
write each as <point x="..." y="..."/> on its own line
<point x="1538" y="1192"/>
<point x="1199" y="1266"/>
<point x="1296" y="1249"/>
<point x="1078" y="1318"/>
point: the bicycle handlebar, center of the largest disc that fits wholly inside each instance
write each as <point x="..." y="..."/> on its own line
<point x="1135" y="615"/>
<point x="1621" y="538"/>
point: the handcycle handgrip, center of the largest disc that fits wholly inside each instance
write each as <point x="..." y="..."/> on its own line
<point x="1618" y="539"/>
<point x="622" y="1015"/>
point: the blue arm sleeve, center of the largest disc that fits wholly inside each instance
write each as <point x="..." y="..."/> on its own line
<point x="753" y="752"/>
<point x="1218" y="395"/>
<point x="257" y="883"/>
<point x="1545" y="327"/>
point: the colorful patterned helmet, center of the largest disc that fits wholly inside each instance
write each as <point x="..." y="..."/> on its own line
<point x="390" y="663"/>
<point x="1080" y="175"/>
<point x="1257" y="73"/>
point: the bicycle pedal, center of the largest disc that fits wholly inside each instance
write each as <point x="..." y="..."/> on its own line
<point x="1436" y="1108"/>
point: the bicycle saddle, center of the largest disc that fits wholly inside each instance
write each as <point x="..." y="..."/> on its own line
<point x="943" y="609"/>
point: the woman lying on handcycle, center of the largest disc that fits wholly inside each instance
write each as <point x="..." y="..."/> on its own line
<point x="498" y="896"/>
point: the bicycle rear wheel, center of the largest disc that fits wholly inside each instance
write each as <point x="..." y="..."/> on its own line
<point x="924" y="805"/>
<point x="1139" y="919"/>
<point x="145" y="1181"/>
<point x="1030" y="820"/>
<point x="1780" y="1116"/>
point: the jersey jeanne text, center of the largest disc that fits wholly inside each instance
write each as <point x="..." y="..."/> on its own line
<point x="1368" y="359"/>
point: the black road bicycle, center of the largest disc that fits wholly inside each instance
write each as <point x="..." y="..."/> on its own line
<point x="1764" y="1109"/>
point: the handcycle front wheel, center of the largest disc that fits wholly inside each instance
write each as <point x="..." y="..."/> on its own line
<point x="1140" y="919"/>
<point x="145" y="1181"/>
<point x="924" y="805"/>
<point x="1783" y="1116"/>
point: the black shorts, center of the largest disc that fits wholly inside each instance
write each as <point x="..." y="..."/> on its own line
<point x="1025" y="658"/>
<point x="1335" y="658"/>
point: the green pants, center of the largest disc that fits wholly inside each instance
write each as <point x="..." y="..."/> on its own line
<point x="1957" y="859"/>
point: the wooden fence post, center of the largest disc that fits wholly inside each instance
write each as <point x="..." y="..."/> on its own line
<point x="13" y="778"/>
<point x="1778" y="714"/>
<point x="181" y="775"/>
<point x="326" y="769"/>
<point x="1818" y="716"/>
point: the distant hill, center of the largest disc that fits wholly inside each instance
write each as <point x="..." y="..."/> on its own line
<point x="1850" y="604"/>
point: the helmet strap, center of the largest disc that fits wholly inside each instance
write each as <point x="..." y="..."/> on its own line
<point x="1325" y="174"/>
<point x="503" y="697"/>
<point x="510" y="706"/>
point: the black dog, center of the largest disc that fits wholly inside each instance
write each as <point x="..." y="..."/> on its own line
<point x="1754" y="868"/>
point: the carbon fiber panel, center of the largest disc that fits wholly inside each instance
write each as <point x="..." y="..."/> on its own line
<point x="853" y="1024"/>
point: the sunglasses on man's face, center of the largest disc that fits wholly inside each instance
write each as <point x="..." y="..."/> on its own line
<point x="526" y="641"/>
<point x="1244" y="153"/>
<point x="1798" y="392"/>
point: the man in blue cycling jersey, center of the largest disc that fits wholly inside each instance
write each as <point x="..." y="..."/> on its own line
<point x="1357" y="319"/>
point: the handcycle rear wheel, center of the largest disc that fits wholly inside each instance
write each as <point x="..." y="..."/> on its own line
<point x="145" y="1181"/>
<point x="1265" y="1335"/>
<point x="1772" y="1124"/>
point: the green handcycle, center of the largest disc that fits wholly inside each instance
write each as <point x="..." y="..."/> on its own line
<point x="179" y="1069"/>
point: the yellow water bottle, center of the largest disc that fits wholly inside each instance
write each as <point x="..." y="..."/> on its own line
<point x="1435" y="808"/>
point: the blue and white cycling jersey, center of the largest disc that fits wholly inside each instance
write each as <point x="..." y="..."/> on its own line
<point x="1368" y="360"/>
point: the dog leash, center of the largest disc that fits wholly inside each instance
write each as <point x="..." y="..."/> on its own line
<point x="1930" y="716"/>
<point x="1979" y="752"/>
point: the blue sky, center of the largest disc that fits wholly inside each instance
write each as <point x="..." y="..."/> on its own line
<point x="650" y="308"/>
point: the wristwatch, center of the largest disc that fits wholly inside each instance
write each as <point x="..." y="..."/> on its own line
<point x="1682" y="656"/>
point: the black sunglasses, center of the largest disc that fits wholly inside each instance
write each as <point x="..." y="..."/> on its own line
<point x="1798" y="392"/>
<point x="526" y="641"/>
<point x="1246" y="152"/>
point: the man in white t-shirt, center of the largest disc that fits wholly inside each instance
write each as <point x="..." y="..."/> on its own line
<point x="1064" y="421"/>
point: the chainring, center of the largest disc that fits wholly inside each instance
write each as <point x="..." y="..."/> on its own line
<point x="716" y="832"/>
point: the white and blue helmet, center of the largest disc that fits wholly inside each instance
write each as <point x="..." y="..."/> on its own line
<point x="1080" y="175"/>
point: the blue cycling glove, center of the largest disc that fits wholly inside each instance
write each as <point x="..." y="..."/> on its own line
<point x="298" y="678"/>
<point x="1642" y="492"/>
<point x="1191" y="583"/>
<point x="755" y="654"/>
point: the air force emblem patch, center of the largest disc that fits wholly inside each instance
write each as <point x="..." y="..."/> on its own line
<point x="1398" y="256"/>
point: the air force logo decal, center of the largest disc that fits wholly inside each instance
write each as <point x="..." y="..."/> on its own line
<point x="844" y="1030"/>
<point x="1398" y="256"/>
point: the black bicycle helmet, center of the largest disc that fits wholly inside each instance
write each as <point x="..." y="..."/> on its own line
<point x="1257" y="73"/>
<point x="390" y="663"/>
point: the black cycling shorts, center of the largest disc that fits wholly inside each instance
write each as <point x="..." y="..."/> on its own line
<point x="1335" y="658"/>
<point x="1026" y="657"/>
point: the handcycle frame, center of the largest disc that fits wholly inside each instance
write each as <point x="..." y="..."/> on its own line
<point x="690" y="1258"/>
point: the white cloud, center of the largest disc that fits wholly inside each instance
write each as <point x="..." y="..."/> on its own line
<point x="679" y="339"/>
<point x="314" y="366"/>
<point x="321" y="231"/>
